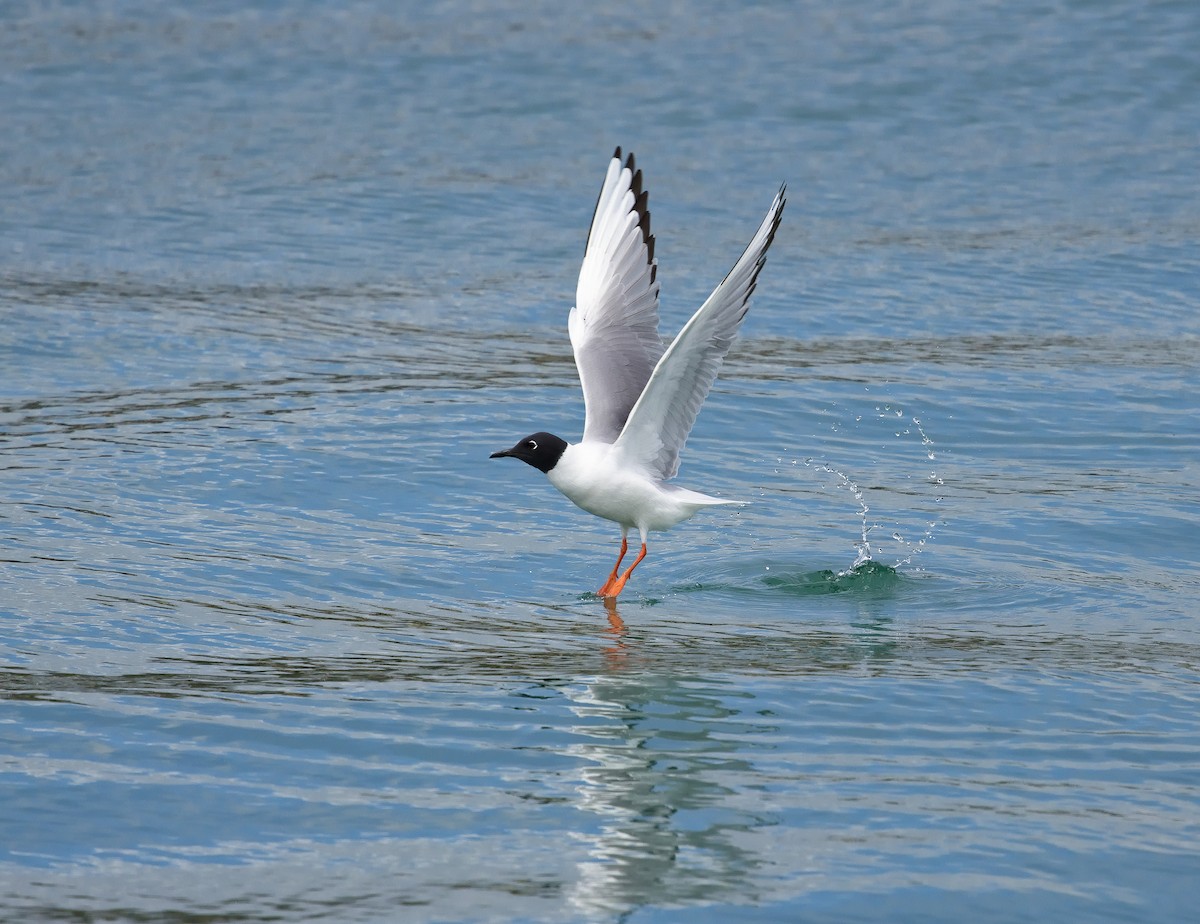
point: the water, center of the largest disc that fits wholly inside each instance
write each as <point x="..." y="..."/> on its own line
<point x="281" y="644"/>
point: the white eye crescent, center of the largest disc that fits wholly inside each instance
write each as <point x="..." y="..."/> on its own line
<point x="532" y="444"/>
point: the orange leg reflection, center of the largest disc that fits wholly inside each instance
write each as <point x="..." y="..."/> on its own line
<point x="616" y="654"/>
<point x="615" y="622"/>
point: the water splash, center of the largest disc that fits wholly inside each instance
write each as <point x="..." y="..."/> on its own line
<point x="915" y="548"/>
<point x="910" y="548"/>
<point x="863" y="545"/>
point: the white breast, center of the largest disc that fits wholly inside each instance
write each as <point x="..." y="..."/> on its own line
<point x="597" y="479"/>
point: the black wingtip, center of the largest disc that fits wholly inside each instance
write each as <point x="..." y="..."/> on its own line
<point x="642" y="207"/>
<point x="640" y="204"/>
<point x="781" y="196"/>
<point x="617" y="157"/>
<point x="761" y="261"/>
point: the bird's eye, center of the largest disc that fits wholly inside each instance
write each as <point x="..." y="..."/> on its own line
<point x="532" y="444"/>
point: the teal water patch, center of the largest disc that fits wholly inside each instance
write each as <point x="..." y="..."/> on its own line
<point x="866" y="577"/>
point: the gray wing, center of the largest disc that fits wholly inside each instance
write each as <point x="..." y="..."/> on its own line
<point x="659" y="424"/>
<point x="614" y="324"/>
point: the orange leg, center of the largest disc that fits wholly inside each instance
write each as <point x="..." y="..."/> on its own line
<point x="603" y="591"/>
<point x="619" y="585"/>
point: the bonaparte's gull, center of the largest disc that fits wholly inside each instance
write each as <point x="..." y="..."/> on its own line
<point x="641" y="399"/>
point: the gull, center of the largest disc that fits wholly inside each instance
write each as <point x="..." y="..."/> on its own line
<point x="641" y="397"/>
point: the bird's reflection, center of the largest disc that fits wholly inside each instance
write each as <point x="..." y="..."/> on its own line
<point x="661" y="782"/>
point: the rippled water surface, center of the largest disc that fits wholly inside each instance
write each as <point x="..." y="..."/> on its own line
<point x="280" y="643"/>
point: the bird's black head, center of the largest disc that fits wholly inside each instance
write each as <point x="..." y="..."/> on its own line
<point x="541" y="450"/>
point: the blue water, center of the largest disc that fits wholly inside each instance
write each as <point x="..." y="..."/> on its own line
<point x="280" y="643"/>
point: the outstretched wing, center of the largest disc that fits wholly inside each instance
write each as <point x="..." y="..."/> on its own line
<point x="659" y="424"/>
<point x="614" y="324"/>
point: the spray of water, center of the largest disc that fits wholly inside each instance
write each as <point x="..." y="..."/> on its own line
<point x="909" y="548"/>
<point x="844" y="481"/>
<point x="915" y="548"/>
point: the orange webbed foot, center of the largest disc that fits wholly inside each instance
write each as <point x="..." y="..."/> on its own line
<point x="615" y="585"/>
<point x="606" y="590"/>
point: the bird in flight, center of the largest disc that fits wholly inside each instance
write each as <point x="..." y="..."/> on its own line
<point x="641" y="397"/>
